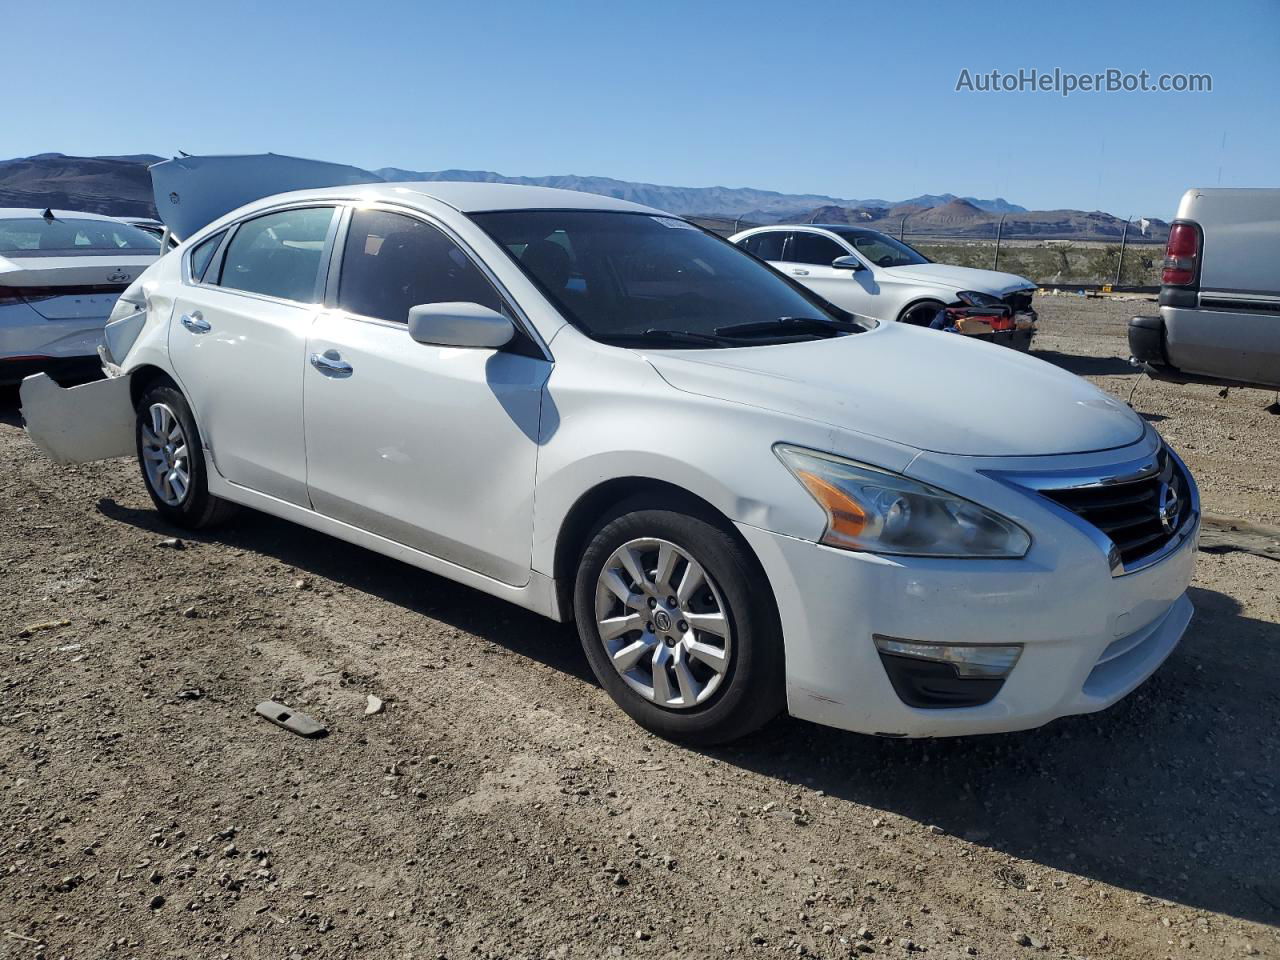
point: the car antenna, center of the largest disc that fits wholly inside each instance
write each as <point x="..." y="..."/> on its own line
<point x="48" y="215"/>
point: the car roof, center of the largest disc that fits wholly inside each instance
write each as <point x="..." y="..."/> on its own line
<point x="467" y="197"/>
<point x="23" y="213"/>
<point x="832" y="227"/>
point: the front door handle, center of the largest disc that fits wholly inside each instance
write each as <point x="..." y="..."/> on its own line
<point x="196" y="323"/>
<point x="331" y="364"/>
<point x="800" y="273"/>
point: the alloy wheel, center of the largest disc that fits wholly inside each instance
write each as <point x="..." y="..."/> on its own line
<point x="165" y="456"/>
<point x="664" y="624"/>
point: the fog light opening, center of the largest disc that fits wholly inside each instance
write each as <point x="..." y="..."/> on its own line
<point x="936" y="675"/>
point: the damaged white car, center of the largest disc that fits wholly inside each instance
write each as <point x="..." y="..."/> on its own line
<point x="873" y="274"/>
<point x="747" y="499"/>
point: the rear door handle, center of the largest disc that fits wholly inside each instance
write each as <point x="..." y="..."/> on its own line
<point x="800" y="273"/>
<point x="331" y="364"/>
<point x="196" y="323"/>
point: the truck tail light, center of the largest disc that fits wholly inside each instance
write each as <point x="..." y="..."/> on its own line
<point x="1182" y="255"/>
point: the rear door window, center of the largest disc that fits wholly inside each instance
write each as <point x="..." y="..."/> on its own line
<point x="814" y="248"/>
<point x="279" y="254"/>
<point x="392" y="262"/>
<point x="766" y="246"/>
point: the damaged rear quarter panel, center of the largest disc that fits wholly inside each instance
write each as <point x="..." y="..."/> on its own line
<point x="95" y="421"/>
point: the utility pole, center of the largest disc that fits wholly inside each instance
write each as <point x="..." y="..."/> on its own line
<point x="1124" y="235"/>
<point x="995" y="264"/>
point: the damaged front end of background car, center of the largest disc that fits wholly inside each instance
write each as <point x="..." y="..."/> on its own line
<point x="1008" y="321"/>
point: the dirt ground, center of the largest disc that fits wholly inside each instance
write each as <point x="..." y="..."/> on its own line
<point x="501" y="807"/>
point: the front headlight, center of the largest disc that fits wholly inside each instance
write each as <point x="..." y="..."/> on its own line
<point x="881" y="512"/>
<point x="972" y="298"/>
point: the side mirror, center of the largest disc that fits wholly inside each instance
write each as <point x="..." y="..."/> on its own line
<point x="459" y="325"/>
<point x="848" y="263"/>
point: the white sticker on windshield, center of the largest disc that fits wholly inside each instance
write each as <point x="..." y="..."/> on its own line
<point x="673" y="223"/>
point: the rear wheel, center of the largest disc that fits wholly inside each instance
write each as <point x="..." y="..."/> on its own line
<point x="172" y="460"/>
<point x="678" y="624"/>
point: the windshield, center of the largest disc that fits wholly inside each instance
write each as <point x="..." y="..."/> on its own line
<point x="617" y="276"/>
<point x="882" y="249"/>
<point x="72" y="236"/>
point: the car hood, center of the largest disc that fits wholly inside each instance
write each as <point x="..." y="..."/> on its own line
<point x="962" y="278"/>
<point x="932" y="391"/>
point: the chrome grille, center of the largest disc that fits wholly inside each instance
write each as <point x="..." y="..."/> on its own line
<point x="1139" y="514"/>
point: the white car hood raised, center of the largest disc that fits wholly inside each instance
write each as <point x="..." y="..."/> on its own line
<point x="929" y="390"/>
<point x="962" y="278"/>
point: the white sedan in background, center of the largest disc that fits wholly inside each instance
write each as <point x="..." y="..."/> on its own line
<point x="747" y="499"/>
<point x="60" y="275"/>
<point x="875" y="275"/>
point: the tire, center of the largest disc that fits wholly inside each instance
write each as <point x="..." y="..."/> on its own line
<point x="182" y="497"/>
<point x="714" y="705"/>
<point x="921" y="314"/>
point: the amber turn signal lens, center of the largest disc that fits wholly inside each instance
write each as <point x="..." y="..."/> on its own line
<point x="844" y="517"/>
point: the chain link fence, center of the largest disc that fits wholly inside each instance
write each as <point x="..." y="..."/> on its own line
<point x="1086" y="261"/>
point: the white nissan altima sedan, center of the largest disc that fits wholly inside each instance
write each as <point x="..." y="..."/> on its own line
<point x="747" y="499"/>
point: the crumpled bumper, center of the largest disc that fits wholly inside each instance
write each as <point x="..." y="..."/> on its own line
<point x="94" y="421"/>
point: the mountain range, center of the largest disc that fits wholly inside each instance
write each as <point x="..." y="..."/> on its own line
<point x="121" y="186"/>
<point x="961" y="218"/>
<point x="746" y="203"/>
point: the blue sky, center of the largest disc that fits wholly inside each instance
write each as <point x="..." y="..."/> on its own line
<point x="846" y="98"/>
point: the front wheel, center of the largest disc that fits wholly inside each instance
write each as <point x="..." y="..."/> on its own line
<point x="679" y="626"/>
<point x="172" y="460"/>
<point x="921" y="314"/>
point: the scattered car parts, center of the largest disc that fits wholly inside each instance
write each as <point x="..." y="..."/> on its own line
<point x="292" y="720"/>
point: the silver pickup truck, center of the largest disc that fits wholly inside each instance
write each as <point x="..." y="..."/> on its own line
<point x="1219" y="319"/>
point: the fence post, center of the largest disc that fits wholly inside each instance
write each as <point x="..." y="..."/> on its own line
<point x="995" y="264"/>
<point x="1124" y="235"/>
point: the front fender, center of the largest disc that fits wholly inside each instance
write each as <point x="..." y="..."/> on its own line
<point x="609" y="415"/>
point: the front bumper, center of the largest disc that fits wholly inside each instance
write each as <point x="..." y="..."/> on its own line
<point x="1088" y="638"/>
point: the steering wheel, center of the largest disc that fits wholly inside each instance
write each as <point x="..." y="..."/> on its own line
<point x="885" y="261"/>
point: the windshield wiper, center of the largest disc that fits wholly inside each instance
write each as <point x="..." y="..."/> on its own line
<point x="654" y="336"/>
<point x="788" y="327"/>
